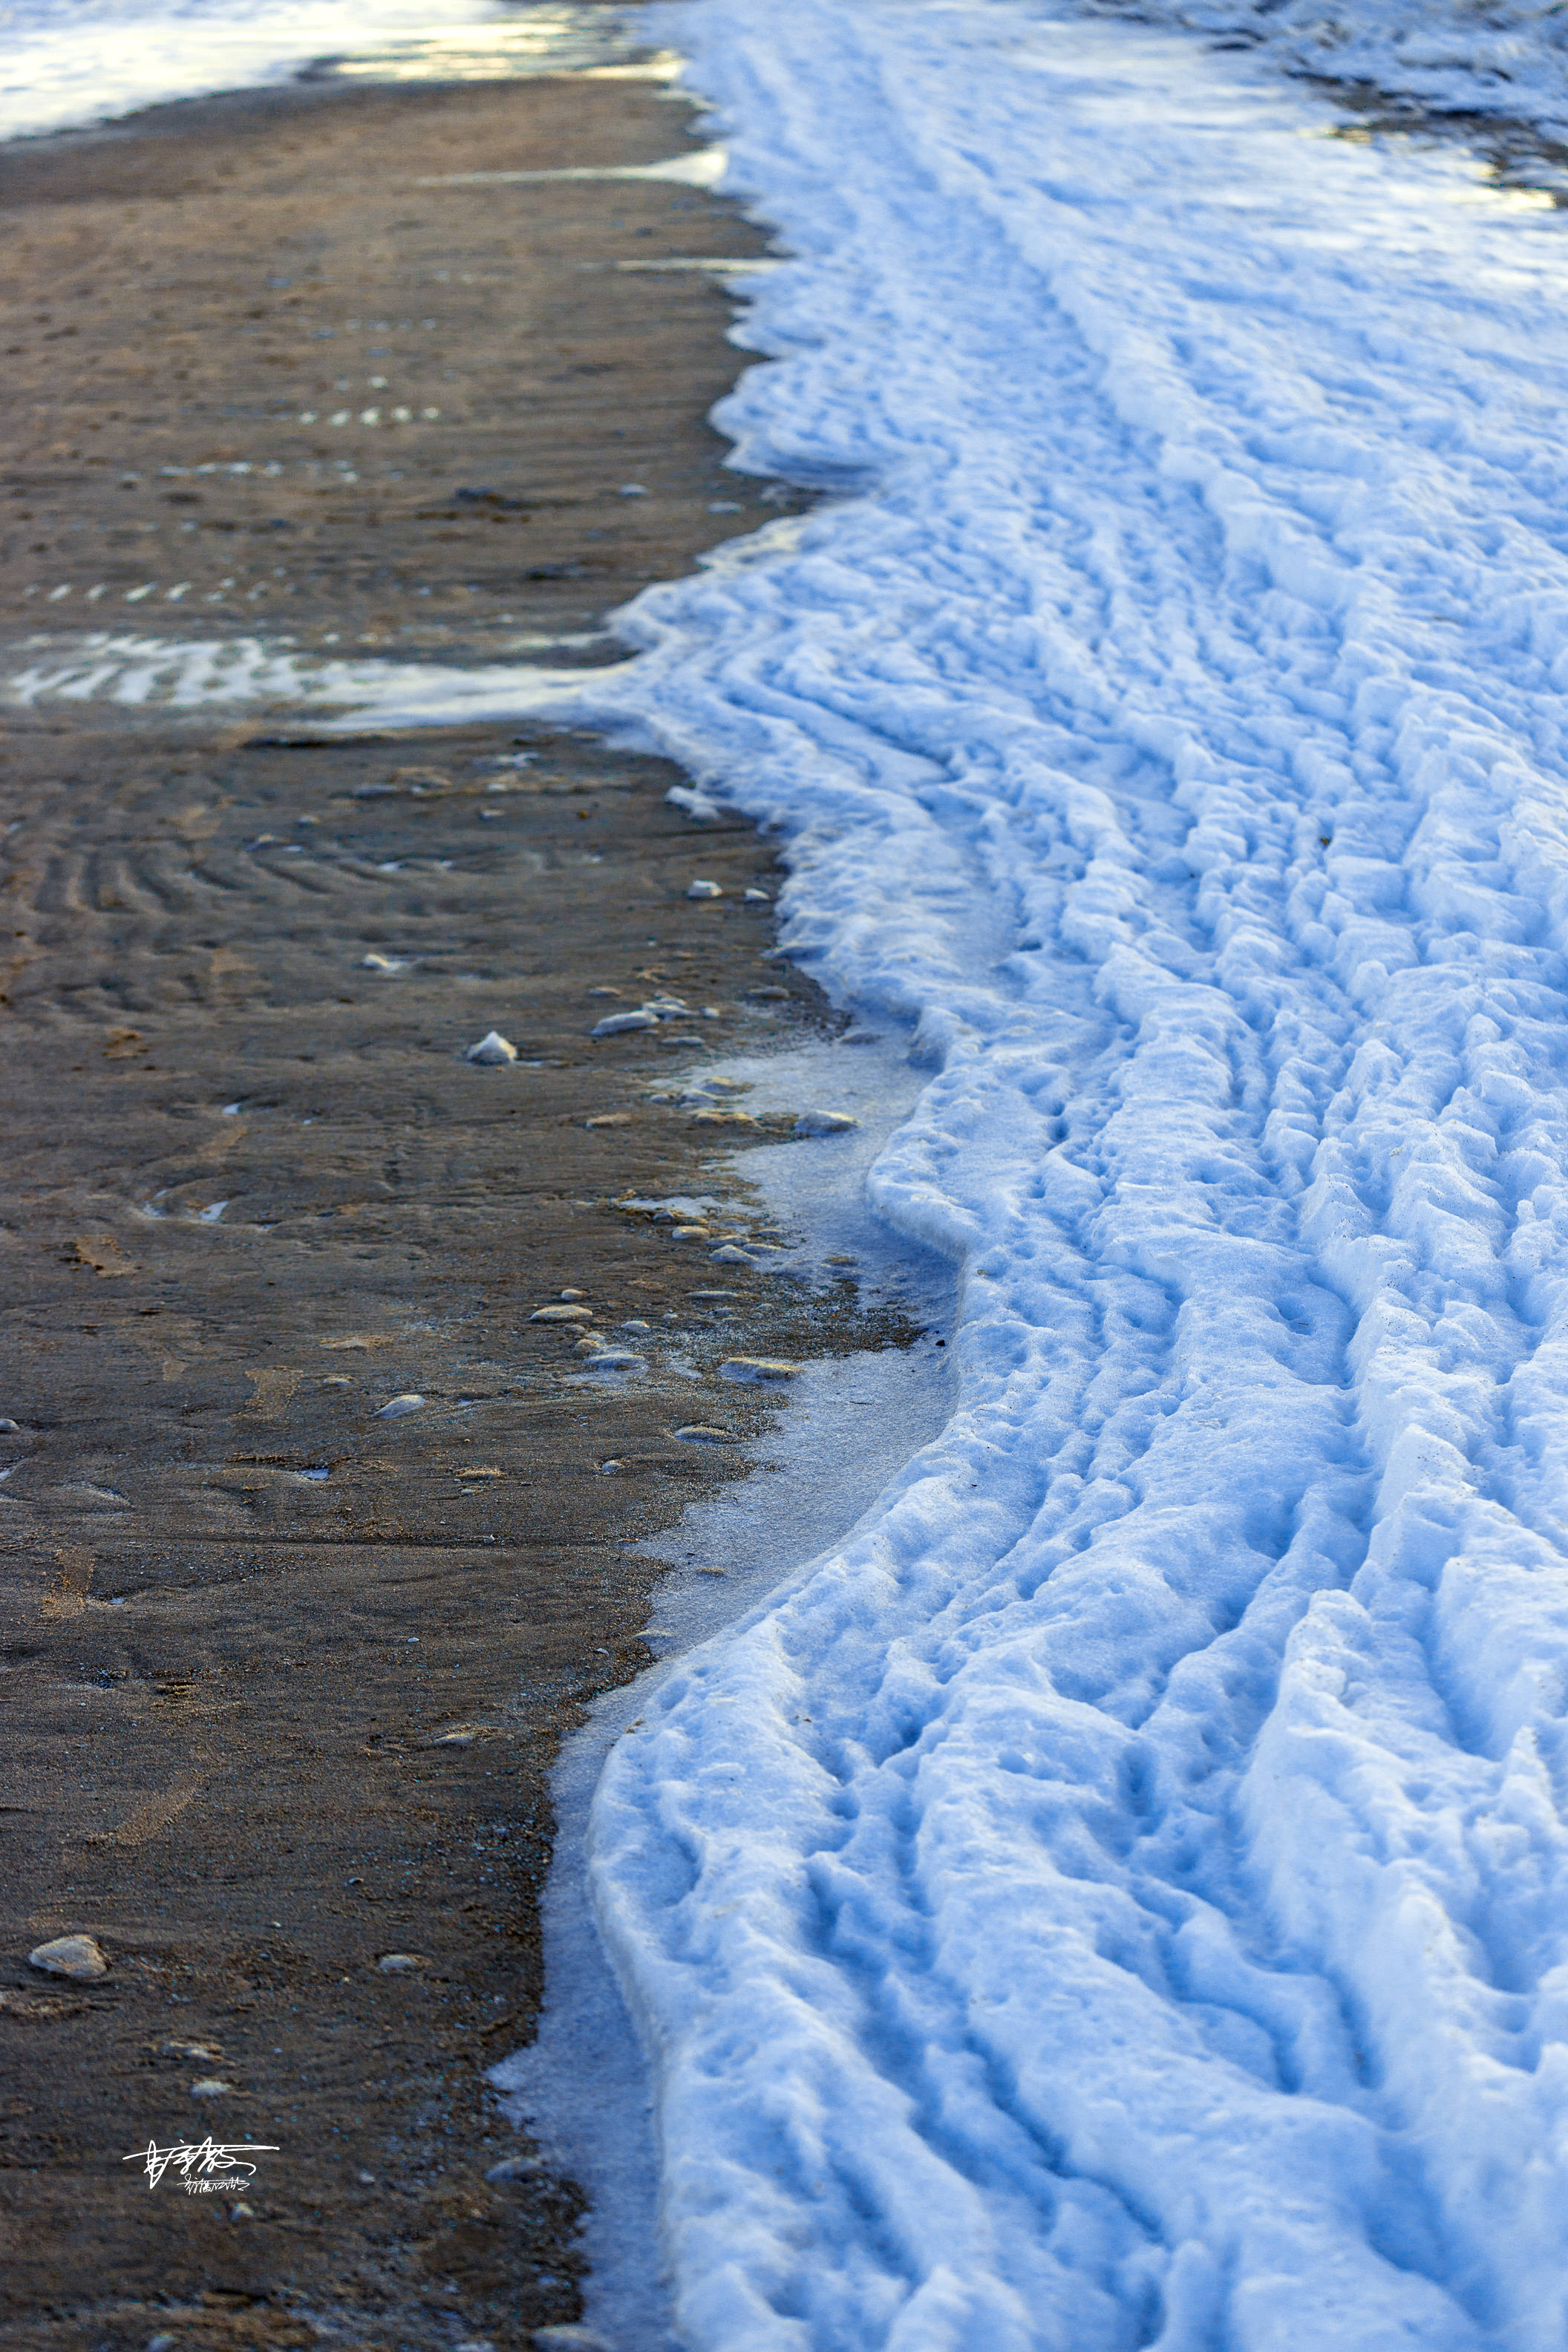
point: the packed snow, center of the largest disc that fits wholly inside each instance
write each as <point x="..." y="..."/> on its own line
<point x="1122" y="1896"/>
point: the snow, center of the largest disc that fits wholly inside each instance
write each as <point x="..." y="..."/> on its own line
<point x="64" y="63"/>
<point x="1117" y="1892"/>
<point x="1119" y="1895"/>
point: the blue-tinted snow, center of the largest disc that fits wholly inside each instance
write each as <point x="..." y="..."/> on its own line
<point x="1123" y="1893"/>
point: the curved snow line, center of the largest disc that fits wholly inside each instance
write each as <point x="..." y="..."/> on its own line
<point x="1124" y="1893"/>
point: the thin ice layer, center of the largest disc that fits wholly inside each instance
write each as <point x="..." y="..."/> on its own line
<point x="1122" y="1896"/>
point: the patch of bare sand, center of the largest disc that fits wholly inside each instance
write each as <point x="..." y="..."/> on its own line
<point x="268" y="1725"/>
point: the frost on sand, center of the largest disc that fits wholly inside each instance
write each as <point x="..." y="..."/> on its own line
<point x="1120" y="1896"/>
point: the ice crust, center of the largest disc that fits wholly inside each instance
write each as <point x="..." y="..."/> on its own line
<point x="1120" y="1896"/>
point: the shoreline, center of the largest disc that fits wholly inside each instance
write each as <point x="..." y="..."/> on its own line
<point x="256" y="1195"/>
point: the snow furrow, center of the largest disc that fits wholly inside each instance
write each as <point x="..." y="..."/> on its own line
<point x="1123" y="1893"/>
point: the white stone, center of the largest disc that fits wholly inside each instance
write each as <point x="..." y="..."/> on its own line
<point x="824" y="1122"/>
<point x="701" y="890"/>
<point x="757" y="1367"/>
<point x="492" y="1049"/>
<point x="697" y="1433"/>
<point x="400" y="1964"/>
<point x="70" y="1956"/>
<point x="728" y="1254"/>
<point x="615" y="1024"/>
<point x="562" y="1314"/>
<point x="211" y="2088"/>
<point x="398" y="1405"/>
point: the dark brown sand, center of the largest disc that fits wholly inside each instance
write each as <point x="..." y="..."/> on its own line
<point x="266" y="1727"/>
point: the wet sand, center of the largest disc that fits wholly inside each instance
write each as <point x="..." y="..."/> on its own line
<point x="268" y="1725"/>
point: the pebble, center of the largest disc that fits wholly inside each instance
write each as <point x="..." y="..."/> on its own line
<point x="210" y="2087"/>
<point x="590" y="1344"/>
<point x="697" y="1433"/>
<point x="608" y="1469"/>
<point x="757" y="1367"/>
<point x="615" y="1024"/>
<point x="824" y="1122"/>
<point x="616" y="1360"/>
<point x="491" y="1049"/>
<point x="516" y="2168"/>
<point x="400" y="1964"/>
<point x="571" y="1294"/>
<point x="611" y="1119"/>
<point x="701" y="890"/>
<point x="562" y="1314"/>
<point x="690" y="1233"/>
<point x="384" y="963"/>
<point x="78" y="1957"/>
<point x="722" y="1119"/>
<point x="337" y="1380"/>
<point x="9" y="1428"/>
<point x="757" y="898"/>
<point x="209" y="2051"/>
<point x="728" y="1254"/>
<point x="398" y="1405"/>
<point x="162" y="2343"/>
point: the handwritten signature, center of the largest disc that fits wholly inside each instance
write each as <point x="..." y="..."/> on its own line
<point x="200" y="2162"/>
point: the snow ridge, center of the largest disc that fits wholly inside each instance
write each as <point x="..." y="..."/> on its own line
<point x="1121" y="1896"/>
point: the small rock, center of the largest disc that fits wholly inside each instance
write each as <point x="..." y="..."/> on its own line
<point x="701" y="890"/>
<point x="515" y="2168"/>
<point x="400" y="1964"/>
<point x="722" y="1119"/>
<point x="210" y="2087"/>
<point x="573" y="1294"/>
<point x="336" y="1381"/>
<point x="398" y="1405"/>
<point x="207" y="2052"/>
<point x="590" y="1344"/>
<point x="242" y="2212"/>
<point x="78" y="1957"/>
<point x="757" y="898"/>
<point x="824" y="1122"/>
<point x="668" y="1008"/>
<point x="10" y="1428"/>
<point x="617" y="1359"/>
<point x="754" y="1369"/>
<point x="728" y="1254"/>
<point x="562" y="1314"/>
<point x="608" y="1469"/>
<point x="492" y="1050"/>
<point x="766" y="995"/>
<point x="709" y="1568"/>
<point x="615" y="1024"/>
<point x="690" y="1233"/>
<point x="697" y="1433"/>
<point x="611" y="1119"/>
<point x="385" y="964"/>
<point x="164" y="2342"/>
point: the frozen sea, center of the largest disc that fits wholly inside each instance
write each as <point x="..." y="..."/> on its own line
<point x="1119" y="1896"/>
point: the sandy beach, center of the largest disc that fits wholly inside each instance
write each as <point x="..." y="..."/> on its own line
<point x="285" y="1675"/>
